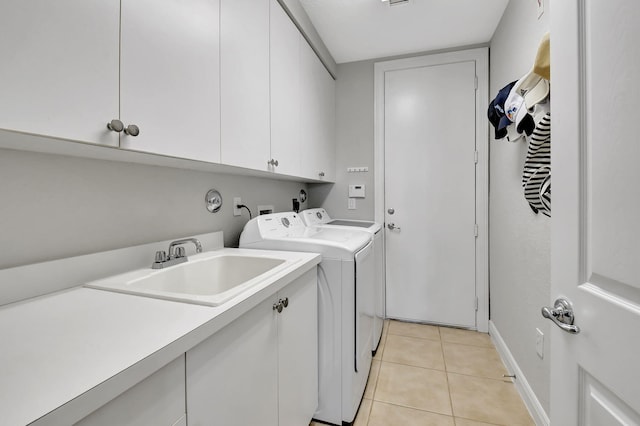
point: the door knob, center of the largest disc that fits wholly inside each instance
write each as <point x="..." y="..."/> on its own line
<point x="391" y="211"/>
<point x="561" y="315"/>
<point x="392" y="227"/>
<point x="115" y="125"/>
<point x="132" y="130"/>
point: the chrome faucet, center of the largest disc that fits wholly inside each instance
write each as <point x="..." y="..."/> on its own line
<point x="184" y="241"/>
<point x="176" y="255"/>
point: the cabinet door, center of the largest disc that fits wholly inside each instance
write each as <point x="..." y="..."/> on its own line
<point x="317" y="117"/>
<point x="327" y="143"/>
<point x="298" y="351"/>
<point x="59" y="68"/>
<point x="232" y="377"/>
<point x="170" y="86"/>
<point x="285" y="92"/>
<point x="157" y="400"/>
<point x="244" y="74"/>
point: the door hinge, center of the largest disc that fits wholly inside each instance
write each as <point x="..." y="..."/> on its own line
<point x="475" y="156"/>
<point x="475" y="229"/>
<point x="475" y="83"/>
<point x="476" y="304"/>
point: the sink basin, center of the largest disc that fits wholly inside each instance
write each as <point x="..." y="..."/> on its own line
<point x="210" y="278"/>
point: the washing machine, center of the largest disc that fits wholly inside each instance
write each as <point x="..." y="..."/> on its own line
<point x="344" y="328"/>
<point x="320" y="217"/>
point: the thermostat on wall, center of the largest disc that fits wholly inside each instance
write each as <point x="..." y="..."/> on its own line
<point x="356" y="191"/>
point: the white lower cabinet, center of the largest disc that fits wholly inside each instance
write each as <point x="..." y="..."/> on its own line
<point x="157" y="400"/>
<point x="261" y="369"/>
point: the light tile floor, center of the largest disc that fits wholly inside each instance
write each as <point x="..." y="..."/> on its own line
<point x="424" y="375"/>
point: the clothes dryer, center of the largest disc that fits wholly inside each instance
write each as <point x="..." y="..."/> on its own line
<point x="320" y="217"/>
<point x="344" y="330"/>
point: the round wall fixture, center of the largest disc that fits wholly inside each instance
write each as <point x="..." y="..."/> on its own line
<point x="213" y="200"/>
<point x="302" y="196"/>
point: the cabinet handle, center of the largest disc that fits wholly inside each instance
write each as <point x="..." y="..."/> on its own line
<point x="285" y="302"/>
<point x="277" y="307"/>
<point x="132" y="130"/>
<point x="115" y="125"/>
<point x="321" y="174"/>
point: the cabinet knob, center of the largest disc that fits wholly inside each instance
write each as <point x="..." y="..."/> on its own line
<point x="277" y="307"/>
<point x="115" y="125"/>
<point x="273" y="162"/>
<point x="321" y="174"/>
<point x="132" y="130"/>
<point x="285" y="302"/>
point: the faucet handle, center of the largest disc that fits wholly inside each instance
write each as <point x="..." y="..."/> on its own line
<point x="180" y="252"/>
<point x="161" y="256"/>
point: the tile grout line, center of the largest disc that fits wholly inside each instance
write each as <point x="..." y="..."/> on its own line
<point x="446" y="374"/>
<point x="381" y="346"/>
<point x="395" y="404"/>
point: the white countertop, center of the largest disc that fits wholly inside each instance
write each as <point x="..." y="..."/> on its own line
<point x="72" y="351"/>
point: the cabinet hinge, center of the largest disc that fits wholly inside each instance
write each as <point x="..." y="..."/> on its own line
<point x="475" y="83"/>
<point x="475" y="229"/>
<point x="475" y="156"/>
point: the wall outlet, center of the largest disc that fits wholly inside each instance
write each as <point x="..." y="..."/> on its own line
<point x="265" y="209"/>
<point x="351" y="204"/>
<point x="539" y="343"/>
<point x="236" y="210"/>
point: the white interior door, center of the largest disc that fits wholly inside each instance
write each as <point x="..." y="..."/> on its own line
<point x="430" y="193"/>
<point x="595" y="377"/>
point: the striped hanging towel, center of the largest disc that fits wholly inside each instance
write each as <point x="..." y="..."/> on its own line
<point x="536" y="175"/>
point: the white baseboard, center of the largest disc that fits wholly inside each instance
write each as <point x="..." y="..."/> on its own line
<point x="522" y="385"/>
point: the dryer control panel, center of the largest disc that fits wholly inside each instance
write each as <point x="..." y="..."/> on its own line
<point x="278" y="225"/>
<point x="315" y="216"/>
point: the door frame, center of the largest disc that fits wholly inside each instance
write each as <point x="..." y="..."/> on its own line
<point x="480" y="56"/>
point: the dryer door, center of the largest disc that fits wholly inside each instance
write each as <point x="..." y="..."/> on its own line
<point x="364" y="307"/>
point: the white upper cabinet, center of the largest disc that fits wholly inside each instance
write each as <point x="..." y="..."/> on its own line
<point x="218" y="81"/>
<point x="285" y="44"/>
<point x="170" y="85"/>
<point x="327" y="143"/>
<point x="59" y="68"/>
<point x="317" y="117"/>
<point x="244" y="70"/>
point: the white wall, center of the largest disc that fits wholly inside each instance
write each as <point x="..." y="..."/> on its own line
<point x="519" y="241"/>
<point x="54" y="206"/>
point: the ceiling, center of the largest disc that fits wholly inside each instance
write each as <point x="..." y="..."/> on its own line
<point x="355" y="30"/>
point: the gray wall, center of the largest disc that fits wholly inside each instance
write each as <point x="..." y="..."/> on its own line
<point x="354" y="138"/>
<point x="354" y="143"/>
<point x="519" y="240"/>
<point x="55" y="206"/>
